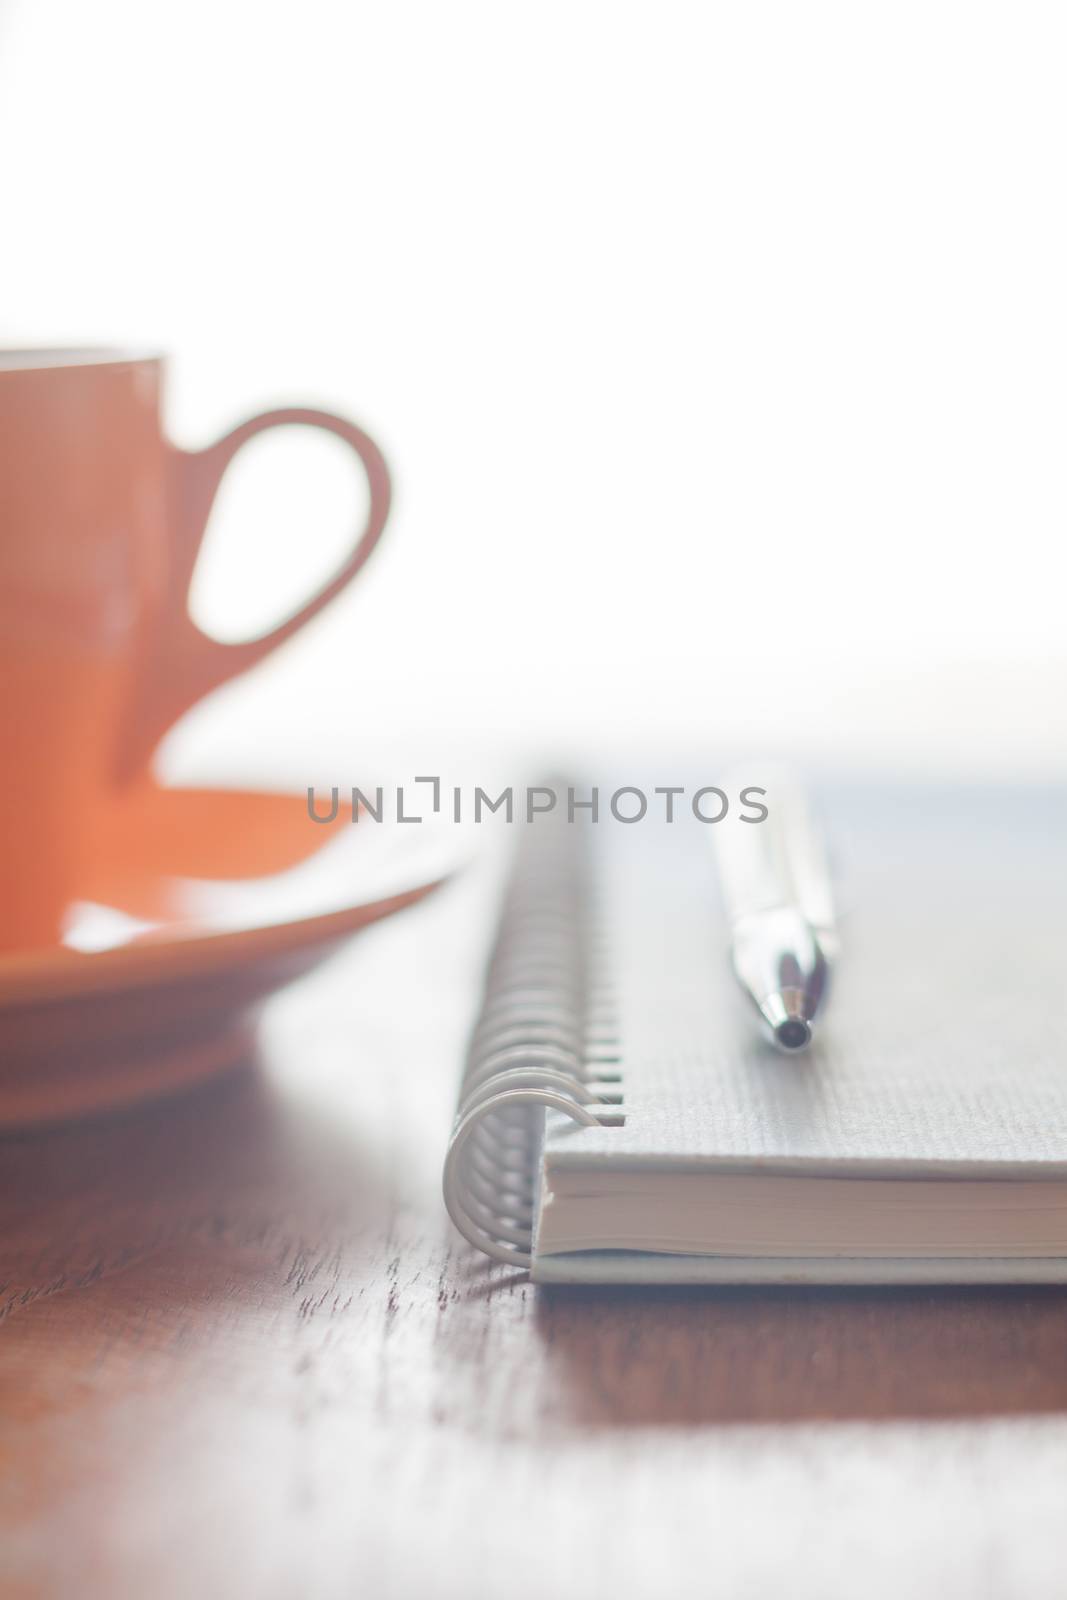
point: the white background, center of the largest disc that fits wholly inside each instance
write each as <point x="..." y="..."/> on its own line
<point x="720" y="353"/>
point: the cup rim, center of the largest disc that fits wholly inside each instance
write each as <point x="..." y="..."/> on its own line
<point x="61" y="358"/>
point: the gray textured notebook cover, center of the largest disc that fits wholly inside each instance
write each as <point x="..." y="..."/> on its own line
<point x="943" y="1051"/>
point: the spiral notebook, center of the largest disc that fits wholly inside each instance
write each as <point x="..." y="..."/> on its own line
<point x="621" y="1119"/>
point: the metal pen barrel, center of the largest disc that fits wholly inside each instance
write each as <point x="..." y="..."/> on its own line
<point x="777" y="891"/>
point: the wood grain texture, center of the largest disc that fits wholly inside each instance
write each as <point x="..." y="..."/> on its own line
<point x="242" y="1355"/>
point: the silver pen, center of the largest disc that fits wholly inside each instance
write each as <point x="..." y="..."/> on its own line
<point x="779" y="902"/>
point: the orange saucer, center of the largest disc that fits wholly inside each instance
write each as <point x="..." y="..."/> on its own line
<point x="200" y="904"/>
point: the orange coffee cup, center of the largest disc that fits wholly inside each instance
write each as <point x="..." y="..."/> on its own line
<point x="101" y="519"/>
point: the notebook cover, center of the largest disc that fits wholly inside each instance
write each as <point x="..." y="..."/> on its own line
<point x="636" y="1266"/>
<point x="943" y="1050"/>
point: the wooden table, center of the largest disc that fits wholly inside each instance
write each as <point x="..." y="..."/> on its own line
<point x="242" y="1354"/>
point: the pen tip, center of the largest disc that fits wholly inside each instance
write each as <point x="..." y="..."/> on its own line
<point x="793" y="1034"/>
<point x="788" y="1017"/>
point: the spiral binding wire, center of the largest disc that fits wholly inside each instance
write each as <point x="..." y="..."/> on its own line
<point x="545" y="1040"/>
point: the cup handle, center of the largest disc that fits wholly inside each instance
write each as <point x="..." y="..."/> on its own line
<point x="185" y="663"/>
